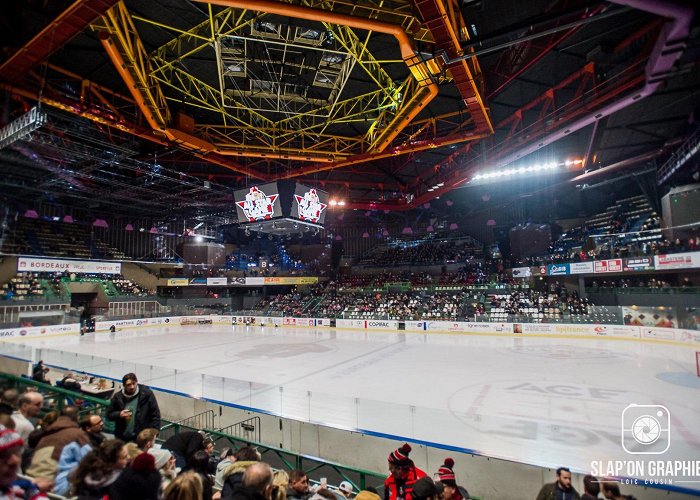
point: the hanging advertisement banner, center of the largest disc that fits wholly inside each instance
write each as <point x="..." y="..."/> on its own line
<point x="38" y="265"/>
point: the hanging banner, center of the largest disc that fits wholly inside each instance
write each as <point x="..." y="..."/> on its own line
<point x="178" y="282"/>
<point x="607" y="266"/>
<point x="522" y="272"/>
<point x="677" y="261"/>
<point x="581" y="267"/>
<point x="291" y="280"/>
<point x="217" y="281"/>
<point x="638" y="264"/>
<point x="557" y="269"/>
<point x="39" y="265"/>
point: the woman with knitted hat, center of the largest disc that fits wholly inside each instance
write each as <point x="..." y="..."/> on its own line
<point x="446" y="476"/>
<point x="404" y="473"/>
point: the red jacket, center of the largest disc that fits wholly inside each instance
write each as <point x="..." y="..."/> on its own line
<point x="401" y="489"/>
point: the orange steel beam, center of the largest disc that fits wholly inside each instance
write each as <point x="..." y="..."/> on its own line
<point x="68" y="24"/>
<point x="121" y="68"/>
<point x="412" y="147"/>
<point x="439" y="23"/>
<point x="421" y="70"/>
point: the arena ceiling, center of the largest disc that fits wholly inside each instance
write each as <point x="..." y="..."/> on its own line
<point x="164" y="107"/>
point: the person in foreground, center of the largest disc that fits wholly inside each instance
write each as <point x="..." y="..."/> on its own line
<point x="403" y="475"/>
<point x="561" y="489"/>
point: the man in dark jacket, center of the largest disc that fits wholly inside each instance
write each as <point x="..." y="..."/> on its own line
<point x="561" y="489"/>
<point x="133" y="409"/>
<point x="185" y="444"/>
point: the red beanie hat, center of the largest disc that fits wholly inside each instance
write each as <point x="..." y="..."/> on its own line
<point x="9" y="439"/>
<point x="446" y="474"/>
<point x="145" y="462"/>
<point x="400" y="455"/>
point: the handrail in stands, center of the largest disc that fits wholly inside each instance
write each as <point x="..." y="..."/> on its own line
<point x="243" y="429"/>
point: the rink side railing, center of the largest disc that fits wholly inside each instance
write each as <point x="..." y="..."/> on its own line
<point x="597" y="330"/>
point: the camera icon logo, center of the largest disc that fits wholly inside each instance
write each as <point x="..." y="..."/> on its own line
<point x="646" y="429"/>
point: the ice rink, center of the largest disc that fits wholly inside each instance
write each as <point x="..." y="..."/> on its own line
<point x="542" y="401"/>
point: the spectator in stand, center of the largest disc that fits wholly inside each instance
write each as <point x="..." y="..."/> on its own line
<point x="368" y="494"/>
<point x="165" y="465"/>
<point x="298" y="486"/>
<point x="10" y="459"/>
<point x="257" y="483"/>
<point x="71" y="457"/>
<point x="133" y="409"/>
<point x="146" y="439"/>
<point x="93" y="426"/>
<point x="30" y="404"/>
<point x="280" y="483"/>
<point x="591" y="487"/>
<point x="185" y="444"/>
<point x="39" y="372"/>
<point x="561" y="489"/>
<point x="69" y="382"/>
<point x="403" y="475"/>
<point x="446" y="476"/>
<point x="611" y="491"/>
<point x="230" y="475"/>
<point x="228" y="458"/>
<point x="140" y="481"/>
<point x="346" y="489"/>
<point x="9" y="401"/>
<point x="99" y="470"/>
<point x="425" y="489"/>
<point x="63" y="431"/>
<point x="187" y="486"/>
<point x="199" y="463"/>
<point x="35" y="436"/>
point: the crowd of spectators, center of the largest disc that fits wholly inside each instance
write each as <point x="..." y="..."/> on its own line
<point x="423" y="253"/>
<point x="453" y="304"/>
<point x="38" y="285"/>
<point x="22" y="286"/>
<point x="645" y="283"/>
<point x="68" y="453"/>
<point x="536" y="306"/>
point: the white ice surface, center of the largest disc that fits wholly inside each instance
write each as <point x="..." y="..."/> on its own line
<point x="534" y="400"/>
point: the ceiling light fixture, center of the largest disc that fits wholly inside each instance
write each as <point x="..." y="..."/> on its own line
<point x="530" y="169"/>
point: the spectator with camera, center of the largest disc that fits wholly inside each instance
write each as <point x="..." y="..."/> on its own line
<point x="133" y="409"/>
